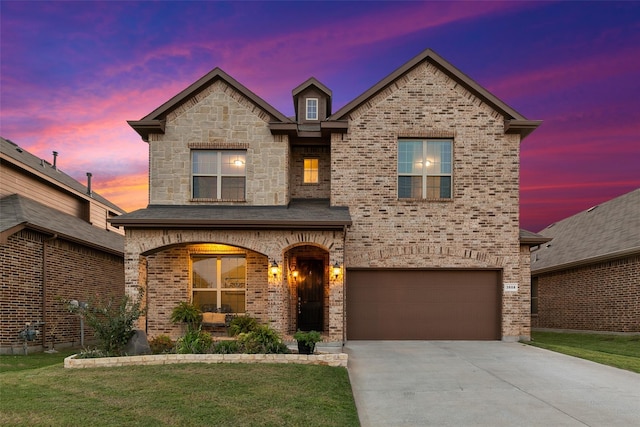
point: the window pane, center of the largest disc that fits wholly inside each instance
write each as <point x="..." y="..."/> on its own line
<point x="204" y="272"/>
<point x="233" y="301"/>
<point x="233" y="272"/>
<point x="205" y="162"/>
<point x="438" y="187"/>
<point x="204" y="187"/>
<point x="232" y="188"/>
<point x="310" y="171"/>
<point x="438" y="157"/>
<point x="205" y="300"/>
<point x="410" y="157"/>
<point x="233" y="162"/>
<point x="409" y="187"/>
<point x="312" y="109"/>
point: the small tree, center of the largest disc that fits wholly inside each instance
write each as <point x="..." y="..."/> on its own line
<point x="113" y="322"/>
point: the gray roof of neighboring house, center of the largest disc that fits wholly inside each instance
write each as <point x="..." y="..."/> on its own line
<point x="21" y="155"/>
<point x="530" y="238"/>
<point x="19" y="212"/>
<point x="606" y="231"/>
<point x="299" y="214"/>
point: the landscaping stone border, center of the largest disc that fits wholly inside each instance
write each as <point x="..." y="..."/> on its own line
<point x="335" y="359"/>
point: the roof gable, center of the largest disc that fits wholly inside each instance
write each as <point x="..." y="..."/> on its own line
<point x="514" y="121"/>
<point x="606" y="231"/>
<point x="154" y="122"/>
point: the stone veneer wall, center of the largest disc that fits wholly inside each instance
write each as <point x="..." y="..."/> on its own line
<point x="603" y="296"/>
<point x="72" y="272"/>
<point x="330" y="359"/>
<point x="218" y="117"/>
<point x="479" y="228"/>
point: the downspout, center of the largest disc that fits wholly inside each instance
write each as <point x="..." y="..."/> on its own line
<point x="44" y="288"/>
<point x="344" y="287"/>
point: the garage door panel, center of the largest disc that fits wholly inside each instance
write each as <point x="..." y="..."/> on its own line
<point x="423" y="304"/>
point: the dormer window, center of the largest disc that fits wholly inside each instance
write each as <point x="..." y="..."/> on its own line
<point x="312" y="108"/>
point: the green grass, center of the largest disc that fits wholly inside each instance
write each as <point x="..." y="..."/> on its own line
<point x="40" y="392"/>
<point x="620" y="351"/>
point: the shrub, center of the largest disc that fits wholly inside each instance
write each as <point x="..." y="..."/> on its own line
<point x="226" y="347"/>
<point x="195" y="341"/>
<point x="262" y="339"/>
<point x="90" y="353"/>
<point x="187" y="313"/>
<point x="161" y="344"/>
<point x="113" y="322"/>
<point x="242" y="325"/>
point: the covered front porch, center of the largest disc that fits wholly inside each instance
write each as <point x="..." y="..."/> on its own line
<point x="290" y="280"/>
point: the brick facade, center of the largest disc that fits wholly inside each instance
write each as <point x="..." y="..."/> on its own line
<point x="479" y="228"/>
<point x="159" y="261"/>
<point x="70" y="271"/>
<point x="602" y="296"/>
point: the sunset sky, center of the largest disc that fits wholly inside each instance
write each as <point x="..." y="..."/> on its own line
<point x="72" y="73"/>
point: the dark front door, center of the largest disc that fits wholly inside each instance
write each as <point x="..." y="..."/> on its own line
<point x="310" y="294"/>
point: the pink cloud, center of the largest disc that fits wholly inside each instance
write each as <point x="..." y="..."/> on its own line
<point x="559" y="75"/>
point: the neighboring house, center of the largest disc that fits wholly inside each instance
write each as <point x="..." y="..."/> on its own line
<point x="395" y="217"/>
<point x="55" y="245"/>
<point x="588" y="276"/>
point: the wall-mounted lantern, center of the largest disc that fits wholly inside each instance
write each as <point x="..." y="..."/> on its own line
<point x="336" y="270"/>
<point x="274" y="268"/>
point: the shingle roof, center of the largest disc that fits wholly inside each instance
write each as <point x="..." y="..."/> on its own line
<point x="530" y="238"/>
<point x="13" y="151"/>
<point x="19" y="212"/>
<point x="154" y="122"/>
<point x="299" y="214"/>
<point x="606" y="231"/>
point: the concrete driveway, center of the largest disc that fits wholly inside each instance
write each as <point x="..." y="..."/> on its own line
<point x="471" y="383"/>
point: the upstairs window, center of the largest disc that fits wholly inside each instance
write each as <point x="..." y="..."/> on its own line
<point x="312" y="108"/>
<point x="310" y="171"/>
<point x="218" y="174"/>
<point x="425" y="169"/>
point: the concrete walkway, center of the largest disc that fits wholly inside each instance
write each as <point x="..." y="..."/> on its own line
<point x="469" y="383"/>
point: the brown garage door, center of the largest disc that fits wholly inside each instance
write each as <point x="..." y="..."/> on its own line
<point x="423" y="305"/>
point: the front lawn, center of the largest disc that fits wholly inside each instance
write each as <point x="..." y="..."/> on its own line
<point x="35" y="392"/>
<point x="620" y="351"/>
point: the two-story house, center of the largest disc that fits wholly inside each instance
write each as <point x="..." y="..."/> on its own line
<point x="56" y="245"/>
<point x="394" y="217"/>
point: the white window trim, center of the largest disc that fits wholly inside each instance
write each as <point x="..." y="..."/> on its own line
<point x="218" y="175"/>
<point x="307" y="108"/>
<point x="424" y="175"/>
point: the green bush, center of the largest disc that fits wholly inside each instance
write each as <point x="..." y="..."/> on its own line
<point x="113" y="322"/>
<point x="187" y="313"/>
<point x="242" y="325"/>
<point x="195" y="341"/>
<point x="226" y="347"/>
<point x="262" y="339"/>
<point x="161" y="344"/>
